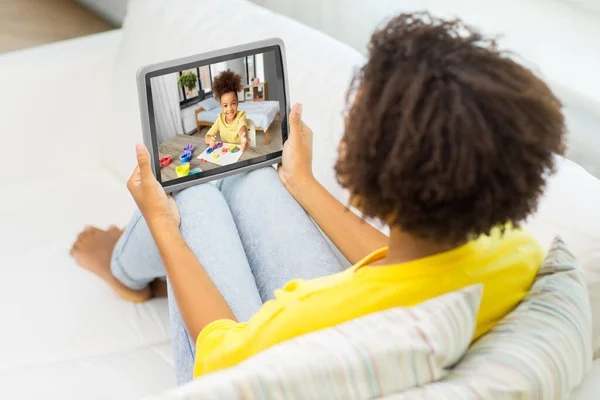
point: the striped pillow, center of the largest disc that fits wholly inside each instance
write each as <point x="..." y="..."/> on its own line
<point x="541" y="350"/>
<point x="369" y="357"/>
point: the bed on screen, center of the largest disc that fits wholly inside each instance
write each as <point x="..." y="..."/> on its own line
<point x="262" y="113"/>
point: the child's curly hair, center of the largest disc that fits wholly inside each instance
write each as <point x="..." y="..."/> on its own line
<point x="446" y="137"/>
<point x="226" y="82"/>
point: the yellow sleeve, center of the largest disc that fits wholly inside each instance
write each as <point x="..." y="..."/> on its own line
<point x="221" y="344"/>
<point x="214" y="129"/>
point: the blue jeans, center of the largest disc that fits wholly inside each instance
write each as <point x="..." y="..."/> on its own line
<point x="250" y="236"/>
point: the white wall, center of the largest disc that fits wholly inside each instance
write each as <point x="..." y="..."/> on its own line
<point x="236" y="66"/>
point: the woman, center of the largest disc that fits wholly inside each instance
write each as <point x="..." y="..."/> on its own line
<point x="448" y="140"/>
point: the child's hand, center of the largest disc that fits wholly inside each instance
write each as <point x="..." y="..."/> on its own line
<point x="211" y="141"/>
<point x="148" y="194"/>
<point x="296" y="167"/>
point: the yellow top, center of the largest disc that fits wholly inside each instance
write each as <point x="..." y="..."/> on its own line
<point x="230" y="132"/>
<point x="506" y="265"/>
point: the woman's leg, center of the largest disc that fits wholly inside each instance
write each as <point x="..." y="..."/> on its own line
<point x="280" y="240"/>
<point x="209" y="229"/>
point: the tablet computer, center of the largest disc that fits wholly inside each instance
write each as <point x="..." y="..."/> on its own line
<point x="215" y="114"/>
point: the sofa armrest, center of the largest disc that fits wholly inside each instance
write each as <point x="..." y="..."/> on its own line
<point x="54" y="99"/>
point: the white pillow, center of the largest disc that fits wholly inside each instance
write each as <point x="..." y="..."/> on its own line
<point x="366" y="358"/>
<point x="541" y="350"/>
<point x="209" y="103"/>
<point x="570" y="207"/>
<point x="319" y="67"/>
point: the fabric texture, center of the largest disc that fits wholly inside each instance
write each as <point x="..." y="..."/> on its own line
<point x="249" y="209"/>
<point x="229" y="131"/>
<point x="505" y="264"/>
<point x="569" y="208"/>
<point x="369" y="357"/>
<point x="542" y="350"/>
<point x="165" y="102"/>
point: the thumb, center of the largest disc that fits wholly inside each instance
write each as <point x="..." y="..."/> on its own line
<point x="143" y="159"/>
<point x="296" y="119"/>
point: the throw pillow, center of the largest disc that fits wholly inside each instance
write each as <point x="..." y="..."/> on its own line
<point x="541" y="350"/>
<point x="366" y="358"/>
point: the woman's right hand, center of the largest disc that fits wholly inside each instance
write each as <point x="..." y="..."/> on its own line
<point x="295" y="170"/>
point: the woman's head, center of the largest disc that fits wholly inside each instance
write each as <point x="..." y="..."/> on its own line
<point x="446" y="137"/>
<point x="225" y="89"/>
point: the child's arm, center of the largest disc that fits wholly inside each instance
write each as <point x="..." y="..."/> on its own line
<point x="211" y="136"/>
<point x="244" y="137"/>
<point x="243" y="132"/>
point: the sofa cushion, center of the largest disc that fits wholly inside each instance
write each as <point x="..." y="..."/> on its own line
<point x="366" y="358"/>
<point x="569" y="208"/>
<point x="542" y="350"/>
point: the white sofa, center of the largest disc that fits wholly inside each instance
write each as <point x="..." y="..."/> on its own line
<point x="66" y="335"/>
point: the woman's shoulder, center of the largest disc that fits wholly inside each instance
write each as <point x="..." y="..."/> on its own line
<point x="514" y="240"/>
<point x="513" y="233"/>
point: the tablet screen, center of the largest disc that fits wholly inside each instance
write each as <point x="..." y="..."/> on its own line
<point x="217" y="115"/>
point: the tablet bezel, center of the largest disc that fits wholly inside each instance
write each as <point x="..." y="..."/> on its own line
<point x="147" y="112"/>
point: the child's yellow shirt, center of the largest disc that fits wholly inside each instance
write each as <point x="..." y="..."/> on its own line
<point x="230" y="132"/>
<point x="506" y="265"/>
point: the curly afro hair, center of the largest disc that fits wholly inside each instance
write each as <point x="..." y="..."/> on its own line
<point x="446" y="136"/>
<point x="226" y="82"/>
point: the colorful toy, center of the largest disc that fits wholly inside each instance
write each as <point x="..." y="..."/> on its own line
<point x="235" y="150"/>
<point x="203" y="160"/>
<point x="195" y="171"/>
<point x="189" y="147"/>
<point x="183" y="169"/>
<point x="219" y="145"/>
<point x="215" y="156"/>
<point x="209" y="150"/>
<point x="233" y="146"/>
<point x="185" y="157"/>
<point x="165" y="161"/>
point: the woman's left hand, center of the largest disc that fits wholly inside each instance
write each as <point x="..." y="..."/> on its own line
<point x="147" y="192"/>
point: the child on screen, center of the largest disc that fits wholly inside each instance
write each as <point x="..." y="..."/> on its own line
<point x="231" y="123"/>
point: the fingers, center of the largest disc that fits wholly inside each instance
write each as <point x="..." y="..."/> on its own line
<point x="296" y="119"/>
<point x="143" y="158"/>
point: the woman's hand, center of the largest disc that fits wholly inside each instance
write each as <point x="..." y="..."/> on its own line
<point x="296" y="168"/>
<point x="148" y="194"/>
